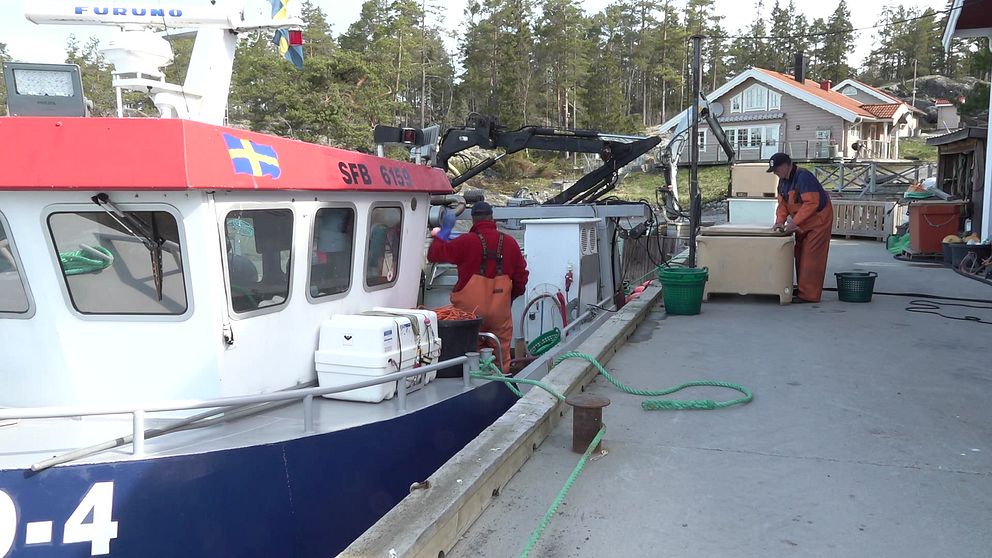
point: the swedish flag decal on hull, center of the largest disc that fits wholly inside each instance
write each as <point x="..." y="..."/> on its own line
<point x="252" y="158"/>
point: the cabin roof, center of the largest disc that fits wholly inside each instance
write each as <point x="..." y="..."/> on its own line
<point x="173" y="154"/>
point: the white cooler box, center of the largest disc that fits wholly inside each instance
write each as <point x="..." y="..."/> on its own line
<point x="358" y="347"/>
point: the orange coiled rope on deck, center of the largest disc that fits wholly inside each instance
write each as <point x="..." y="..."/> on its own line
<point x="449" y="312"/>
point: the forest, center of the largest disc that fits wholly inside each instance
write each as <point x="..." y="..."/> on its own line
<point x="547" y="62"/>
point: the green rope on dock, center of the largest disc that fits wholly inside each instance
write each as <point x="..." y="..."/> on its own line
<point x="489" y="371"/>
<point x="667" y="404"/>
<point x="536" y="535"/>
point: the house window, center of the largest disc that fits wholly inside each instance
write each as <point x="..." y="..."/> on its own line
<point x="701" y="139"/>
<point x="259" y="251"/>
<point x="850" y="91"/>
<point x="774" y="100"/>
<point x="108" y="267"/>
<point x="333" y="248"/>
<point x="13" y="294"/>
<point x="731" y="136"/>
<point x="755" y="137"/>
<point x="382" y="258"/>
<point x="735" y="103"/>
<point x="755" y="98"/>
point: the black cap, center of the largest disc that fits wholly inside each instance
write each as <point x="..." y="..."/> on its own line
<point x="776" y="160"/>
<point x="481" y="208"/>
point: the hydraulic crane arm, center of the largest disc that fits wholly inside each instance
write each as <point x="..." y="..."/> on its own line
<point x="484" y="132"/>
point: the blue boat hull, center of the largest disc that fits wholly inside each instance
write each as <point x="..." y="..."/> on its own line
<point x="306" y="497"/>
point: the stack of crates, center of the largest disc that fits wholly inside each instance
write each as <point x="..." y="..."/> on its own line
<point x="753" y="195"/>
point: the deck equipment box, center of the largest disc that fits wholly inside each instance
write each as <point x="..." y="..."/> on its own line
<point x="930" y="222"/>
<point x="751" y="180"/>
<point x="747" y="260"/>
<point x="359" y="347"/>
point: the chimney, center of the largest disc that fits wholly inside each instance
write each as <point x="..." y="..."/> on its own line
<point x="800" y="72"/>
<point x="825" y="85"/>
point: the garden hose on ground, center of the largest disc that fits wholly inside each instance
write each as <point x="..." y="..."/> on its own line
<point x="489" y="371"/>
<point x="932" y="307"/>
<point x="932" y="304"/>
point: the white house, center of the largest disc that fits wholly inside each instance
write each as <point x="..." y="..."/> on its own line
<point x="872" y="96"/>
<point x="766" y="111"/>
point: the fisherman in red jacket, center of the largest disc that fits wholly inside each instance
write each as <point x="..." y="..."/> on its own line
<point x="491" y="272"/>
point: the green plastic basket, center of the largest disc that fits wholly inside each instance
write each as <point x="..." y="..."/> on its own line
<point x="682" y="289"/>
<point x="855" y="286"/>
<point x="544" y="342"/>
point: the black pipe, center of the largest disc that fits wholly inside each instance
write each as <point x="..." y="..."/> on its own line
<point x="697" y="77"/>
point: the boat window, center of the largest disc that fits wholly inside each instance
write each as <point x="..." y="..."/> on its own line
<point x="110" y="269"/>
<point x="13" y="295"/>
<point x="259" y="250"/>
<point x="333" y="248"/>
<point x="383" y="254"/>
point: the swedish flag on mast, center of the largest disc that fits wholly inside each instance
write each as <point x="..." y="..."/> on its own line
<point x="289" y="41"/>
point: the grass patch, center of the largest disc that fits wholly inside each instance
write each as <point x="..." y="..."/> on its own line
<point x="917" y="149"/>
<point x="712" y="184"/>
<point x="635" y="186"/>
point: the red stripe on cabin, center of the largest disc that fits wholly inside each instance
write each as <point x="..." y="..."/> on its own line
<point x="172" y="154"/>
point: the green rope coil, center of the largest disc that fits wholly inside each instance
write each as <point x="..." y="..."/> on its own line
<point x="667" y="404"/>
<point x="536" y="535"/>
<point x="87" y="260"/>
<point x="544" y="342"/>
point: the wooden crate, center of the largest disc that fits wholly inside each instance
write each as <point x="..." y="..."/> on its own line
<point x="865" y="219"/>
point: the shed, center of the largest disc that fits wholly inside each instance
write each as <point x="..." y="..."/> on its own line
<point x="974" y="19"/>
<point x="961" y="168"/>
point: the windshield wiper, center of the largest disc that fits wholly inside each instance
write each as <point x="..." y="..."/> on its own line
<point x="135" y="227"/>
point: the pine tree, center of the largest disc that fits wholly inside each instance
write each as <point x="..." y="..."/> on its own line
<point x="604" y="94"/>
<point x="671" y="51"/>
<point x="753" y="51"/>
<point x="561" y="56"/>
<point x="836" y="45"/>
<point x="95" y="75"/>
<point x="497" y="56"/>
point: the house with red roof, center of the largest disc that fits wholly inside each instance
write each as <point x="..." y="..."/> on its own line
<point x="764" y="112"/>
<point x="882" y="104"/>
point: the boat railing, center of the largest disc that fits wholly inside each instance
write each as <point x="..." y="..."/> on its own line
<point x="469" y="362"/>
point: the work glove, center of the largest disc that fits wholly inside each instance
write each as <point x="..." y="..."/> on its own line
<point x="447" y="224"/>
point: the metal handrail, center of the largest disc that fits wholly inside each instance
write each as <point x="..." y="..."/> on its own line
<point x="137" y="413"/>
<point x="183" y="405"/>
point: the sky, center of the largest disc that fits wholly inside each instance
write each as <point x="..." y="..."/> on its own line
<point x="28" y="42"/>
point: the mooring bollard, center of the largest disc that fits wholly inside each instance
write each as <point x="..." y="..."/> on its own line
<point x="587" y="419"/>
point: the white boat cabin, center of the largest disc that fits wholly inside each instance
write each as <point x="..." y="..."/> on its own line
<point x="146" y="259"/>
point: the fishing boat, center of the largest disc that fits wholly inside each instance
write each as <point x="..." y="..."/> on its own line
<point x="171" y="276"/>
<point x="209" y="336"/>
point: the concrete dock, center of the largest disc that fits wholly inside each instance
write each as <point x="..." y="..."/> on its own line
<point x="870" y="434"/>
